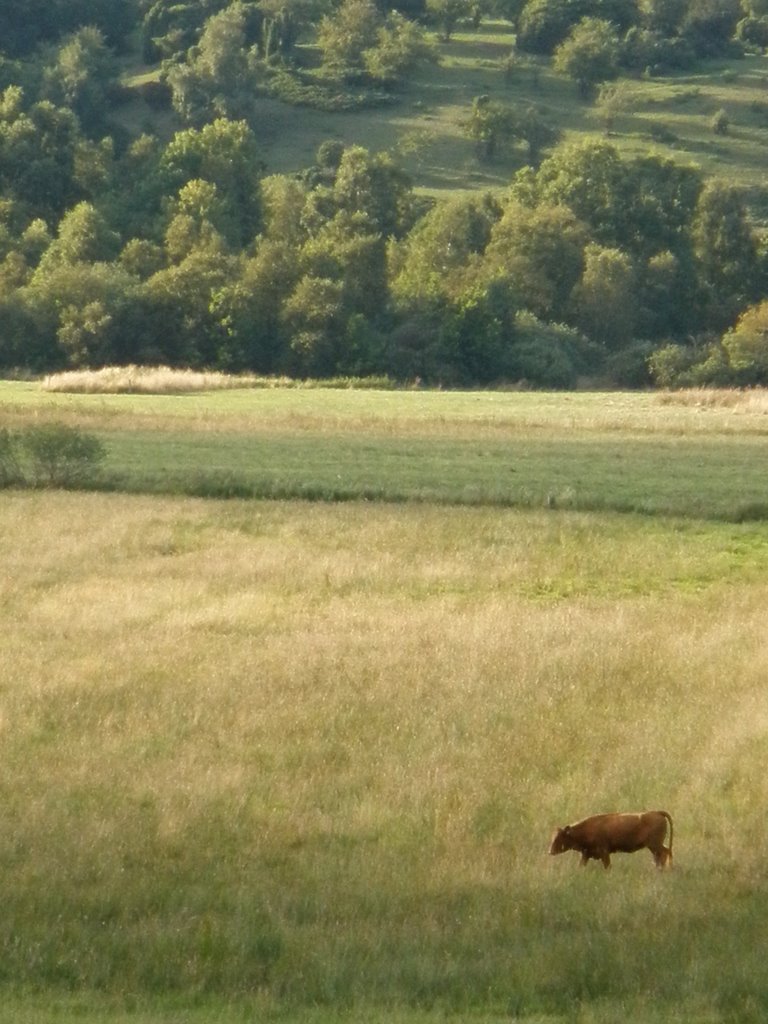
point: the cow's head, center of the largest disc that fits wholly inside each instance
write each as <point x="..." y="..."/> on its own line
<point x="561" y="841"/>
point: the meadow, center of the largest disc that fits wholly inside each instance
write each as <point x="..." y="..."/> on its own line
<point x="647" y="453"/>
<point x="299" y="761"/>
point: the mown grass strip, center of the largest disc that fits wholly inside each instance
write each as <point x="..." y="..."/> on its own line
<point x="716" y="478"/>
<point x="695" y="455"/>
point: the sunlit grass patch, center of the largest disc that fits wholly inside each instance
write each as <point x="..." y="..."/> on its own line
<point x="373" y="405"/>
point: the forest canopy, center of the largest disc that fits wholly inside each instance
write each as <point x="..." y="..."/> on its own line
<point x="130" y="248"/>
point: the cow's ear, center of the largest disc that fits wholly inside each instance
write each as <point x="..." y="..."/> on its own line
<point x="567" y="830"/>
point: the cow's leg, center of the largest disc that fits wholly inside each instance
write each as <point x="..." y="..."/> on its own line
<point x="662" y="856"/>
<point x="606" y="859"/>
<point x="584" y="859"/>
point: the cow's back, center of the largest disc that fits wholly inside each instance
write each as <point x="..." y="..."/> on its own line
<point x="621" y="832"/>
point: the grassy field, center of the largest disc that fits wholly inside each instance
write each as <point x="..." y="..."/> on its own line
<point x="588" y="452"/>
<point x="299" y="762"/>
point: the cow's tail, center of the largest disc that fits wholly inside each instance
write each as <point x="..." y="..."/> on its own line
<point x="671" y="828"/>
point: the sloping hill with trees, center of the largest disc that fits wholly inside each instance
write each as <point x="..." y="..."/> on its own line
<point x="461" y="194"/>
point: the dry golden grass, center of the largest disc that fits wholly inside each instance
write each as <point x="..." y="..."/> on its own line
<point x="149" y="380"/>
<point x="746" y="401"/>
<point x="317" y="751"/>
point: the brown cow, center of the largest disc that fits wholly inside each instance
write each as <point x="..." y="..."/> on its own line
<point x="596" y="838"/>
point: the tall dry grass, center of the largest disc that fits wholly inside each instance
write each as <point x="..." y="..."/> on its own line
<point x="166" y="380"/>
<point x="740" y="400"/>
<point x="148" y="380"/>
<point x="312" y="755"/>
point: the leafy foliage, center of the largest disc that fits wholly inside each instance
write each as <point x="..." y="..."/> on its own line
<point x="746" y="345"/>
<point x="345" y="36"/>
<point x="590" y="54"/>
<point x="122" y="247"/>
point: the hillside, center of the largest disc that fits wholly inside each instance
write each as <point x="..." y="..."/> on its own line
<point x="669" y="115"/>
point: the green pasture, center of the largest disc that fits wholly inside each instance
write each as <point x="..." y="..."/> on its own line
<point x="587" y="452"/>
<point x="299" y="761"/>
<point x="722" y="479"/>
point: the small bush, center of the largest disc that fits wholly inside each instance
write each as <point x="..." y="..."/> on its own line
<point x="691" y="366"/>
<point x="60" y="456"/>
<point x="753" y="31"/>
<point x="157" y="95"/>
<point x="686" y="94"/>
<point x="670" y="365"/>
<point x="720" y="123"/>
<point x="330" y="98"/>
<point x="10" y="470"/>
<point x="543" y="353"/>
<point x="628" y="368"/>
<point x="660" y="133"/>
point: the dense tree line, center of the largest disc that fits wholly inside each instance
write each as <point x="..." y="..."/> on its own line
<point x="116" y="250"/>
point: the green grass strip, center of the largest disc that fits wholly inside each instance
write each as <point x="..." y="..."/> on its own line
<point x="709" y="478"/>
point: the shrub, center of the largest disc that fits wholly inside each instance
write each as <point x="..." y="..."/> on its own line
<point x="61" y="456"/>
<point x="157" y="95"/>
<point x="661" y="133"/>
<point x="753" y="30"/>
<point x="629" y="368"/>
<point x="670" y="365"/>
<point x="720" y="123"/>
<point x="691" y="366"/>
<point x="543" y="353"/>
<point x="10" y="470"/>
<point x="289" y="88"/>
<point x="746" y="345"/>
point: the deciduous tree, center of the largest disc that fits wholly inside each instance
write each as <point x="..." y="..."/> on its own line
<point x="80" y="78"/>
<point x="401" y="47"/>
<point x="605" y="300"/>
<point x="313" y="316"/>
<point x="491" y="125"/>
<point x="348" y="250"/>
<point x="589" y="178"/>
<point x="540" y="253"/>
<point x="38" y="145"/>
<point x="216" y="79"/>
<point x="447" y="14"/>
<point x="344" y="36"/>
<point x="377" y="185"/>
<point x="746" y="346"/>
<point x="725" y="248"/>
<point x="432" y="260"/>
<point x="83" y="236"/>
<point x="589" y="55"/>
<point x="224" y="153"/>
<point x="544" y="24"/>
<point x="248" y="309"/>
<point x="613" y="99"/>
<point x="85" y="307"/>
